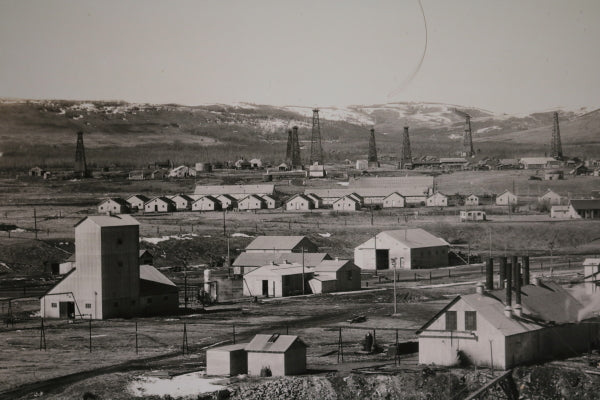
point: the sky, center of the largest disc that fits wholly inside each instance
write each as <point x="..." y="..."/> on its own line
<point x="513" y="56"/>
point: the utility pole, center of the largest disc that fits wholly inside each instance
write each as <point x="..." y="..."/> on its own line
<point x="303" y="281"/>
<point x="35" y="223"/>
<point x="224" y="228"/>
<point x="394" y="262"/>
<point x="375" y="247"/>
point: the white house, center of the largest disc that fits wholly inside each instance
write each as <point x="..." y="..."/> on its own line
<point x="407" y="248"/>
<point x="562" y="212"/>
<point x="486" y="330"/>
<point x="160" y="204"/>
<point x="346" y="203"/>
<point x="108" y="280"/>
<point x="137" y="201"/>
<point x="281" y="244"/>
<point x="182" y="202"/>
<point x="394" y="200"/>
<point x="114" y="205"/>
<point x="550" y="197"/>
<point x="207" y="203"/>
<point x="281" y="354"/>
<point x="344" y="274"/>
<point x="227" y="202"/>
<point x="472" y="215"/>
<point x="269" y="201"/>
<point x="299" y="202"/>
<point x="249" y="261"/>
<point x="276" y="280"/>
<point x="251" y="202"/>
<point x="437" y="200"/>
<point x="537" y="162"/>
<point x="472" y="200"/>
<point x="256" y="163"/>
<point x="506" y="198"/>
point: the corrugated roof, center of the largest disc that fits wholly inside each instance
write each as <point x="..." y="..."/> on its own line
<point x="117" y="200"/>
<point x="149" y="273"/>
<point x="586" y="204"/>
<point x="234" y="189"/>
<point x="273" y="343"/>
<point x="275" y="242"/>
<point x="260" y="259"/>
<point x="111" y="220"/>
<point x="183" y="196"/>
<point x="415" y="238"/>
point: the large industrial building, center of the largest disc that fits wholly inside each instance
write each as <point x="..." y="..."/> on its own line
<point x="408" y="248"/>
<point x="108" y="280"/>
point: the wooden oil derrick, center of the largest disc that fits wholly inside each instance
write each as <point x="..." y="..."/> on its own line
<point x="316" y="150"/>
<point x="406" y="157"/>
<point x="81" y="170"/>
<point x="372" y="159"/>
<point x="556" y="142"/>
<point x="296" y="160"/>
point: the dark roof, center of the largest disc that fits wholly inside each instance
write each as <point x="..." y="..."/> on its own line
<point x="587" y="204"/>
<point x="119" y="201"/>
<point x="142" y="197"/>
<point x="275" y="343"/>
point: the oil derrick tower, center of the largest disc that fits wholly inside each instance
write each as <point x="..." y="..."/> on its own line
<point x="290" y="144"/>
<point x="406" y="158"/>
<point x="372" y="160"/>
<point x="316" y="151"/>
<point x="80" y="165"/>
<point x="296" y="160"/>
<point x="556" y="143"/>
<point x="468" y="138"/>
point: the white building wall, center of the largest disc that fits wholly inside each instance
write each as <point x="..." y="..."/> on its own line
<point x="394" y="201"/>
<point x="364" y="254"/>
<point x="298" y="204"/>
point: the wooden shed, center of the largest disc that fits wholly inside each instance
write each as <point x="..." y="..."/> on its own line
<point x="281" y="354"/>
<point x="227" y="360"/>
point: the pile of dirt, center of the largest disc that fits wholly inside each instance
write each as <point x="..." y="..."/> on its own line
<point x="549" y="382"/>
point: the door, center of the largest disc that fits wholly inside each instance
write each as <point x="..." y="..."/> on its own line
<point x="155" y="207"/>
<point x="265" y="288"/>
<point x="382" y="259"/>
<point x="66" y="309"/>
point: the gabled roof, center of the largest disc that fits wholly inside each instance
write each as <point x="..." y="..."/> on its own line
<point x="331" y="265"/>
<point x="586" y="204"/>
<point x="163" y="198"/>
<point x="149" y="273"/>
<point x="253" y="196"/>
<point x="208" y="197"/>
<point x="437" y="194"/>
<point x="227" y="196"/>
<point x="550" y="192"/>
<point x="275" y="242"/>
<point x="273" y="343"/>
<point x="415" y="238"/>
<point x="142" y="252"/>
<point x="507" y="191"/>
<point x="110" y="220"/>
<point x="282" y="269"/>
<point x="140" y="197"/>
<point x="393" y="194"/>
<point x="117" y="200"/>
<point x="349" y="197"/>
<point x="302" y="196"/>
<point x="183" y="196"/>
<point x="68" y="275"/>
<point x="260" y="259"/>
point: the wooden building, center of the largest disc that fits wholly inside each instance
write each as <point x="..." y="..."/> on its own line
<point x="137" y="201"/>
<point x="182" y="202"/>
<point x="437" y="200"/>
<point x="472" y="200"/>
<point x="281" y="244"/>
<point x="346" y="203"/>
<point x="299" y="202"/>
<point x="394" y="200"/>
<point x="506" y="198"/>
<point x="252" y="202"/>
<point x="114" y="205"/>
<point x="281" y="354"/>
<point x="550" y="197"/>
<point x="160" y="204"/>
<point x="248" y="261"/>
<point x="207" y="203"/>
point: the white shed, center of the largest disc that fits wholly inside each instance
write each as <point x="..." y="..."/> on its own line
<point x="550" y="197"/>
<point x="206" y="203"/>
<point x="394" y="200"/>
<point x="299" y="202"/>
<point x="437" y="200"/>
<point x="506" y="198"/>
<point x="346" y="203"/>
<point x="182" y="202"/>
<point x="269" y="201"/>
<point x="472" y="200"/>
<point x="251" y="202"/>
<point x="113" y="205"/>
<point x="160" y="204"/>
<point x="227" y="360"/>
<point x="281" y="354"/>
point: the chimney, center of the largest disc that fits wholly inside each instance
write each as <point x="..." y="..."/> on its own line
<point x="502" y="271"/>
<point x="508" y="312"/>
<point x="515" y="268"/>
<point x="525" y="261"/>
<point x="489" y="274"/>
<point x="518" y="310"/>
<point x="479" y="288"/>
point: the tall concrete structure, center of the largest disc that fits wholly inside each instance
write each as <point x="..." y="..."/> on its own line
<point x="316" y="150"/>
<point x="406" y="157"/>
<point x="372" y="159"/>
<point x="556" y="142"/>
<point x="296" y="159"/>
<point x="80" y="164"/>
<point x="468" y="138"/>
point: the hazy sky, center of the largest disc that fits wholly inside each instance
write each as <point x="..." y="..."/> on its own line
<point x="506" y="56"/>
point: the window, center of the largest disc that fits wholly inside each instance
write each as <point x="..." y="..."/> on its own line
<point x="470" y="320"/>
<point x="149" y="301"/>
<point x="349" y="274"/>
<point x="88" y="305"/>
<point x="120" y="263"/>
<point x="116" y="304"/>
<point x="450" y="320"/>
<point x="119" y="241"/>
<point x="166" y="298"/>
<point x="53" y="305"/>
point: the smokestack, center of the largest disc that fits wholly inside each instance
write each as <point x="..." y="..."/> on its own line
<point x="517" y="286"/>
<point x="489" y="274"/>
<point x="514" y="260"/>
<point x="502" y="271"/>
<point x="525" y="260"/>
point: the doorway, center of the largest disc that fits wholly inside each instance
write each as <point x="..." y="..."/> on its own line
<point x="382" y="259"/>
<point x="67" y="309"/>
<point x="265" y="288"/>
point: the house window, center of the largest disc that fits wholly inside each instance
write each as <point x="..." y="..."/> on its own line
<point x="116" y="304"/>
<point x="450" y="320"/>
<point x="119" y="241"/>
<point x="53" y="305"/>
<point x="470" y="321"/>
<point x="149" y="301"/>
<point x="349" y="273"/>
<point x="166" y="298"/>
<point x="88" y="305"/>
<point x="120" y="263"/>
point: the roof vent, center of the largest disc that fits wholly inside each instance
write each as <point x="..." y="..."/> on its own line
<point x="273" y="338"/>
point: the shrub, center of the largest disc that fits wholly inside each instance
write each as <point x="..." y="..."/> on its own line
<point x="265" y="371"/>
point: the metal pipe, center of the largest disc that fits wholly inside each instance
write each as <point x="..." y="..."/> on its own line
<point x="502" y="271"/>
<point x="508" y="287"/>
<point x="489" y="274"/>
<point x="515" y="267"/>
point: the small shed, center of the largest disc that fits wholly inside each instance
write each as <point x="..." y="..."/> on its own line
<point x="550" y="197"/>
<point x="36" y="171"/>
<point x="228" y="202"/>
<point x="227" y="360"/>
<point x="394" y="200"/>
<point x="113" y="205"/>
<point x="182" y="202"/>
<point x="362" y="165"/>
<point x="472" y="215"/>
<point x="344" y="272"/>
<point x="437" y="200"/>
<point x="206" y="203"/>
<point x="317" y="201"/>
<point x="472" y="200"/>
<point x="137" y="201"/>
<point x="251" y="202"/>
<point x="316" y="171"/>
<point x="281" y="354"/>
<point x="256" y="163"/>
<point x="160" y="204"/>
<point x="269" y="201"/>
<point x="346" y="203"/>
<point x="299" y="202"/>
<point x="506" y="198"/>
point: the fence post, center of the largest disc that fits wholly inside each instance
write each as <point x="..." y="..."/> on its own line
<point x="136" y="338"/>
<point x="90" y="326"/>
<point x="233" y="326"/>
